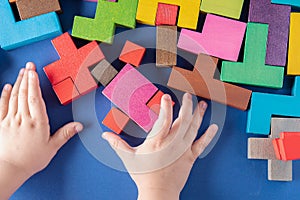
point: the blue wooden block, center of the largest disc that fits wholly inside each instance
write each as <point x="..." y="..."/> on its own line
<point x="294" y="3"/>
<point x="16" y="34"/>
<point x="263" y="106"/>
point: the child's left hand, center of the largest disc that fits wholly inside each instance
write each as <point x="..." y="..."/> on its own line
<point x="26" y="146"/>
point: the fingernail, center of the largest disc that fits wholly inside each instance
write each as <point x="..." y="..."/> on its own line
<point x="104" y="135"/>
<point x="28" y="65"/>
<point x="31" y="74"/>
<point x="189" y="96"/>
<point x="7" y="87"/>
<point x="22" y="71"/>
<point x="78" y="128"/>
<point x="203" y="105"/>
<point x="167" y="97"/>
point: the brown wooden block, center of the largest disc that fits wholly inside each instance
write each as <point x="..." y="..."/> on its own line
<point x="166" y="46"/>
<point x="104" y="72"/>
<point x="32" y="8"/>
<point x="279" y="170"/>
<point x="260" y="148"/>
<point x="201" y="82"/>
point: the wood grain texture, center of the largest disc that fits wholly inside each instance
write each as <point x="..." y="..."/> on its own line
<point x="132" y="53"/>
<point x="261" y="148"/>
<point x="104" y="72"/>
<point x="166" y="14"/>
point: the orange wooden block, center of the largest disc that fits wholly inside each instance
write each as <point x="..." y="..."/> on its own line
<point x="132" y="53"/>
<point x="166" y="14"/>
<point x="155" y="101"/>
<point x="288" y="146"/>
<point x="116" y="120"/>
<point x="65" y="91"/>
<point x="276" y="148"/>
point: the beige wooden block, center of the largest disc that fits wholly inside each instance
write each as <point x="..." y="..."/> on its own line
<point x="261" y="148"/>
<point x="166" y="46"/>
<point x="104" y="72"/>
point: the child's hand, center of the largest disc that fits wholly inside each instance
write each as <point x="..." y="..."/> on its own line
<point x="26" y="146"/>
<point x="161" y="165"/>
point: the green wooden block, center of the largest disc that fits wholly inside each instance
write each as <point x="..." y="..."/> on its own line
<point x="253" y="70"/>
<point x="108" y="14"/>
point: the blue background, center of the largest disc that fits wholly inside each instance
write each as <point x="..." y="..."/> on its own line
<point x="74" y="173"/>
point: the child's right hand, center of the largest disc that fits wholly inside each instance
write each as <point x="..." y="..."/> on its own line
<point x="161" y="165"/>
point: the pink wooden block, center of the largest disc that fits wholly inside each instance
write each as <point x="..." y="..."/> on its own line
<point x="221" y="38"/>
<point x="131" y="91"/>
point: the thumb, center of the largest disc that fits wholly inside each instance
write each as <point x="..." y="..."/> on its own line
<point x="65" y="133"/>
<point x="117" y="143"/>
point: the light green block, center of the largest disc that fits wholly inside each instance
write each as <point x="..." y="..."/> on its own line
<point x="226" y="8"/>
<point x="108" y="15"/>
<point x="253" y="70"/>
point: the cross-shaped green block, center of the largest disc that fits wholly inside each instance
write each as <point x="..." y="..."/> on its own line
<point x="253" y="70"/>
<point x="108" y="14"/>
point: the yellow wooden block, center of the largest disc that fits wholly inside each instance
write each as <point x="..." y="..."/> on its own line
<point x="188" y="13"/>
<point x="227" y="8"/>
<point x="293" y="67"/>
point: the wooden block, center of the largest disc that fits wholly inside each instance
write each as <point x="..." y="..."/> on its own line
<point x="166" y="14"/>
<point x="32" y="8"/>
<point x="276" y="148"/>
<point x="166" y="49"/>
<point x="155" y="102"/>
<point x="229" y="8"/>
<point x="294" y="3"/>
<point x="12" y="1"/>
<point x="188" y="12"/>
<point x="104" y="72"/>
<point x="201" y="82"/>
<point x="278" y="29"/>
<point x="293" y="67"/>
<point x="253" y="70"/>
<point x="130" y="91"/>
<point x="288" y="146"/>
<point x="261" y="148"/>
<point x="132" y="53"/>
<point x="116" y="120"/>
<point x="264" y="105"/>
<point x="66" y="91"/>
<point x="220" y="38"/>
<point x="280" y="170"/>
<point x="16" y="34"/>
<point x="108" y="14"/>
<point x="74" y="63"/>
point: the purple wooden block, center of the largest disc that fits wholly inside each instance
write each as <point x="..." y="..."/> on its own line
<point x="278" y="18"/>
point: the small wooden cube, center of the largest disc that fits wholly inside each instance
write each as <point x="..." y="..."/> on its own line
<point x="116" y="120"/>
<point x="132" y="53"/>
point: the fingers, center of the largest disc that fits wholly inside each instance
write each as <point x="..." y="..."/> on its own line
<point x="117" y="143"/>
<point x="36" y="103"/>
<point x="13" y="101"/>
<point x="5" y="96"/>
<point x="64" y="134"/>
<point x="23" y="96"/>
<point x="196" y="122"/>
<point x="162" y="126"/>
<point x="200" y="145"/>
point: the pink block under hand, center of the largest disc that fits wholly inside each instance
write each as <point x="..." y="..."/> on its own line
<point x="130" y="91"/>
<point x="221" y="38"/>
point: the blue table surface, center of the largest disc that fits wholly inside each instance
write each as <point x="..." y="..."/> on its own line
<point x="76" y="173"/>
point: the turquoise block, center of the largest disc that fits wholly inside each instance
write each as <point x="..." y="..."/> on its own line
<point x="294" y="3"/>
<point x="16" y="34"/>
<point x="264" y="105"/>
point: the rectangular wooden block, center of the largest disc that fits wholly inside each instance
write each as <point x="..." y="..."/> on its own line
<point x="229" y="8"/>
<point x="278" y="29"/>
<point x="261" y="148"/>
<point x="288" y="145"/>
<point x="32" y="8"/>
<point x="166" y="14"/>
<point x="201" y="82"/>
<point x="116" y="120"/>
<point x="220" y="37"/>
<point x="132" y="53"/>
<point x="16" y="34"/>
<point x="264" y="105"/>
<point x="293" y="67"/>
<point x="294" y="3"/>
<point x="104" y="72"/>
<point x="166" y="46"/>
<point x="188" y="12"/>
<point x="108" y="14"/>
<point x="130" y="91"/>
<point x="253" y="70"/>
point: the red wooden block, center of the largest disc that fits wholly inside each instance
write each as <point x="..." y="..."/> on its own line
<point x="64" y="90"/>
<point x="132" y="53"/>
<point x="115" y="120"/>
<point x="288" y="145"/>
<point x="155" y="101"/>
<point x="166" y="14"/>
<point x="276" y="148"/>
<point x="74" y="64"/>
